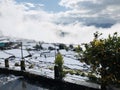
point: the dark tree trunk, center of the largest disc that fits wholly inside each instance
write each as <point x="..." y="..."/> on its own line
<point x="6" y="63"/>
<point x="56" y="72"/>
<point x="22" y="65"/>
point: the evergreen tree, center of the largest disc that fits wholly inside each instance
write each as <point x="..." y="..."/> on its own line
<point x="59" y="65"/>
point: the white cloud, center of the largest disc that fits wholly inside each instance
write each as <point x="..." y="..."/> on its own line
<point x="30" y="4"/>
<point x="18" y="20"/>
<point x="33" y="6"/>
<point x="105" y="11"/>
<point x="77" y="3"/>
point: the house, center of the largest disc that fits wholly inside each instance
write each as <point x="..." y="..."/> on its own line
<point x="2" y="45"/>
<point x="5" y="45"/>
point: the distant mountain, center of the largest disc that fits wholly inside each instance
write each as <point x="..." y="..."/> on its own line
<point x="102" y="25"/>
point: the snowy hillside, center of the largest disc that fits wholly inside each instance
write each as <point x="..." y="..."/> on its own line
<point x="39" y="58"/>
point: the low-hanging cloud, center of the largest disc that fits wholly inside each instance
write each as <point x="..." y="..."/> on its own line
<point x="18" y="20"/>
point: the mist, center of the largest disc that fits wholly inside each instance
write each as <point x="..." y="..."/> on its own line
<point x="17" y="20"/>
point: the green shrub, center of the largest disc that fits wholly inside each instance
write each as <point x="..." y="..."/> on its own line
<point x="62" y="46"/>
<point x="83" y="74"/>
<point x="59" y="60"/>
<point x="103" y="56"/>
<point x="71" y="46"/>
<point x="51" y="48"/>
<point x="59" y="63"/>
<point x="70" y="72"/>
<point x="38" y="47"/>
<point x="17" y="64"/>
<point x="78" y="49"/>
<point x="92" y="77"/>
<point x="31" y="66"/>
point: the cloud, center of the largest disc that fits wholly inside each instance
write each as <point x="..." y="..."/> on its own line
<point x="33" y="6"/>
<point x="92" y="11"/>
<point x="18" y="20"/>
<point x="29" y="4"/>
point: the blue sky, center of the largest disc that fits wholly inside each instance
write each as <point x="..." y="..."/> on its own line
<point x="49" y="5"/>
<point x="47" y="20"/>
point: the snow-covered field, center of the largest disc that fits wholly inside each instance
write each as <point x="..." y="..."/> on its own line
<point x="42" y="60"/>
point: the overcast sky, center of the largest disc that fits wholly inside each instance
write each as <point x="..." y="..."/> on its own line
<point x="67" y="21"/>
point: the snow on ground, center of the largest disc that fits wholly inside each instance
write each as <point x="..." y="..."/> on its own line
<point x="4" y="55"/>
<point x="16" y="52"/>
<point x="73" y="64"/>
<point x="47" y="45"/>
<point x="42" y="61"/>
<point x="80" y="81"/>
